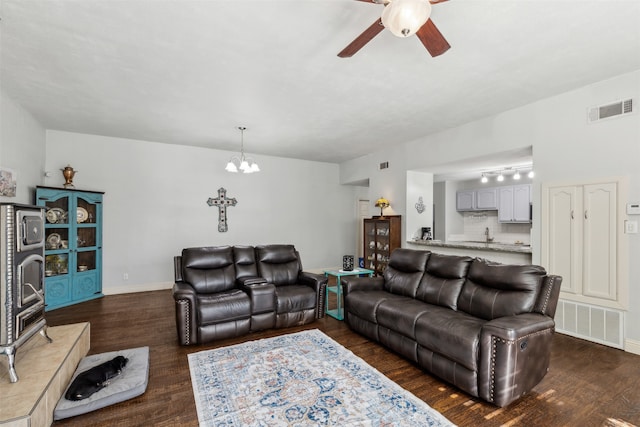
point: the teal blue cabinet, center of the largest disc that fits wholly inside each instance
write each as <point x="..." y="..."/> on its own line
<point x="73" y="246"/>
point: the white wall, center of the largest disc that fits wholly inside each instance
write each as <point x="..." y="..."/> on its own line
<point x="155" y="204"/>
<point x="22" y="142"/>
<point x="417" y="182"/>
<point x="389" y="183"/>
<point x="565" y="148"/>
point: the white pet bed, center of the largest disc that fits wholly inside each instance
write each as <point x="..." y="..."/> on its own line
<point x="130" y="383"/>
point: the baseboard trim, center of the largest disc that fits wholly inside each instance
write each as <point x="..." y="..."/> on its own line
<point x="632" y="346"/>
<point x="142" y="287"/>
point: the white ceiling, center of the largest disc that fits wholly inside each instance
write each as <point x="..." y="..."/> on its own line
<point x="190" y="72"/>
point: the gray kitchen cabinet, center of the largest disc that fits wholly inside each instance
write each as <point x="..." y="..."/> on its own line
<point x="514" y="203"/>
<point x="487" y="199"/>
<point x="465" y="200"/>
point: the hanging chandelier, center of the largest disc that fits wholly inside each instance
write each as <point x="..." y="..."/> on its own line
<point x="242" y="164"/>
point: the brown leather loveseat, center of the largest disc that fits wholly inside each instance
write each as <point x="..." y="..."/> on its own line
<point x="482" y="326"/>
<point x="222" y="292"/>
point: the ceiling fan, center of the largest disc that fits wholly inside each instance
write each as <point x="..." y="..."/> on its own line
<point x="403" y="18"/>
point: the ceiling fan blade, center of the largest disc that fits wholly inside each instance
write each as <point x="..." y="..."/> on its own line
<point x="432" y="39"/>
<point x="362" y="39"/>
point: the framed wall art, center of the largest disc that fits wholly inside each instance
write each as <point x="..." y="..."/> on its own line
<point x="8" y="182"/>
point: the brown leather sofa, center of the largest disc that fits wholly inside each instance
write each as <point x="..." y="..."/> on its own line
<point x="222" y="292"/>
<point x="482" y="326"/>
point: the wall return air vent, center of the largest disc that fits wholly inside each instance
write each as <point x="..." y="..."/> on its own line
<point x="615" y="109"/>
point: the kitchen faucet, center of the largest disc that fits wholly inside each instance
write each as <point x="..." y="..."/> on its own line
<point x="486" y="233"/>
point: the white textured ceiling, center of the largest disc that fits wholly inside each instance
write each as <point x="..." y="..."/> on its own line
<point x="190" y="72"/>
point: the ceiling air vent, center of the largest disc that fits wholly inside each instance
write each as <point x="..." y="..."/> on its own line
<point x="608" y="111"/>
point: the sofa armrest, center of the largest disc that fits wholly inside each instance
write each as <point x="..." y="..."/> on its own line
<point x="355" y="283"/>
<point x="352" y="284"/>
<point x="177" y="268"/>
<point x="319" y="283"/>
<point x="514" y="356"/>
<point x="185" y="301"/>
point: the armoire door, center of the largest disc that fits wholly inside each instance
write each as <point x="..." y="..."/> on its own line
<point x="600" y="240"/>
<point x="563" y="237"/>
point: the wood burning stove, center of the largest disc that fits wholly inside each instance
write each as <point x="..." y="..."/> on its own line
<point x="21" y="279"/>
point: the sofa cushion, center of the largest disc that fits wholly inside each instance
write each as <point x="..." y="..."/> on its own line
<point x="495" y="290"/>
<point x="245" y="261"/>
<point x="403" y="273"/>
<point x="400" y="314"/>
<point x="442" y="283"/>
<point x="294" y="298"/>
<point x="453" y="334"/>
<point x="222" y="307"/>
<point x="278" y="264"/>
<point x="209" y="269"/>
<point x="364" y="304"/>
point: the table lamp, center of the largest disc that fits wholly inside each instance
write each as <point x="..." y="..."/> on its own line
<point x="382" y="203"/>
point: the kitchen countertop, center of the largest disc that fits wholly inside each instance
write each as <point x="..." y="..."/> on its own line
<point x="496" y="247"/>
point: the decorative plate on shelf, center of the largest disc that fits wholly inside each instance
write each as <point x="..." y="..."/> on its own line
<point x="52" y="216"/>
<point x="53" y="241"/>
<point x="83" y="215"/>
<point x="55" y="215"/>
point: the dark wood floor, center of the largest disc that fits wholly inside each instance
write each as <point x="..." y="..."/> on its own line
<point x="587" y="385"/>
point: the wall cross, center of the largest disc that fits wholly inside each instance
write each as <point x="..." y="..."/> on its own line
<point x="222" y="202"/>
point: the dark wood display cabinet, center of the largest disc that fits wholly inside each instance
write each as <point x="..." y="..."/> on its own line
<point x="381" y="237"/>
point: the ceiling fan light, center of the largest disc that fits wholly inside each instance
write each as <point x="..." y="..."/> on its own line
<point x="405" y="17"/>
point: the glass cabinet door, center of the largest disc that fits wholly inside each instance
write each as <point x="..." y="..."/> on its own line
<point x="87" y="238"/>
<point x="58" y="234"/>
<point x="87" y="246"/>
<point x="370" y="244"/>
<point x="58" y="243"/>
<point x="382" y="245"/>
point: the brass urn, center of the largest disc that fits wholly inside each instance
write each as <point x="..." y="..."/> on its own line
<point x="68" y="174"/>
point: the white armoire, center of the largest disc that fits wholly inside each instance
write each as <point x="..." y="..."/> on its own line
<point x="583" y="241"/>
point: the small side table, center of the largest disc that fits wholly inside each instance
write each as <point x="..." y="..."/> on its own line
<point x="338" y="312"/>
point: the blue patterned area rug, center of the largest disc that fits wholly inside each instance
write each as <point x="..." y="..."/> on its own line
<point x="301" y="379"/>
